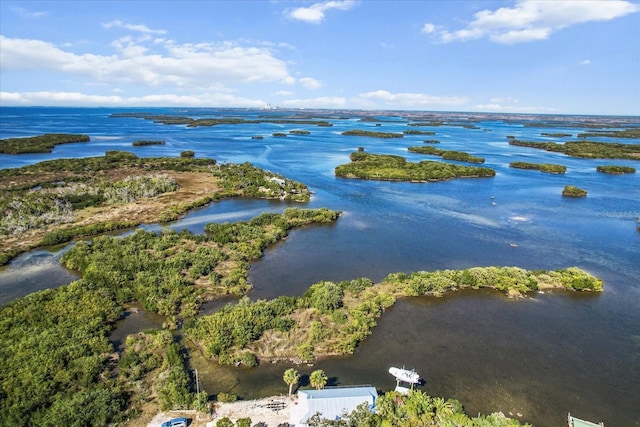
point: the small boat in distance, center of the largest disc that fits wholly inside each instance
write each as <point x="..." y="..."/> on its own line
<point x="405" y="375"/>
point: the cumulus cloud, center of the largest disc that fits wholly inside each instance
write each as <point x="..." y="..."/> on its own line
<point x="170" y="63"/>
<point x="320" y="102"/>
<point x="310" y="83"/>
<point x="52" y="98"/>
<point x="315" y="13"/>
<point x="530" y="20"/>
<point x="410" y="101"/>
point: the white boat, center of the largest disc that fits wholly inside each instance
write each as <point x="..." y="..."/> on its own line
<point x="406" y="375"/>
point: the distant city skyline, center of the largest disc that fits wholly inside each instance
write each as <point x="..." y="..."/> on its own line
<point x="525" y="56"/>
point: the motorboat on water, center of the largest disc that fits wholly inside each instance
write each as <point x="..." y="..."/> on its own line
<point x="405" y="375"/>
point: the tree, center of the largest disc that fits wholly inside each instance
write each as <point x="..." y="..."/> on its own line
<point x="318" y="379"/>
<point x="291" y="377"/>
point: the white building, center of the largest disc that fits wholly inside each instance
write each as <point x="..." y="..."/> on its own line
<point x="331" y="403"/>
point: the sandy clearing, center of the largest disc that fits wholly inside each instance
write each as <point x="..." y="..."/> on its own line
<point x="258" y="410"/>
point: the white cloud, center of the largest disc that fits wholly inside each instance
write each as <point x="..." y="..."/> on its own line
<point x="203" y="65"/>
<point x="132" y="27"/>
<point x="26" y="13"/>
<point x="585" y="62"/>
<point x="284" y="93"/>
<point x="310" y="83"/>
<point x="321" y="102"/>
<point x="530" y="20"/>
<point x="52" y="98"/>
<point x="315" y="13"/>
<point x="428" y="28"/>
<point x="413" y="101"/>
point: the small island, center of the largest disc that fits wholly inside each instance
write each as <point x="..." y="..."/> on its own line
<point x="542" y="167"/>
<point x="142" y="143"/>
<point x="39" y="144"/>
<point x="460" y="156"/>
<point x="299" y="132"/>
<point x="616" y="170"/>
<point x="573" y="191"/>
<point x="418" y="132"/>
<point x="279" y="134"/>
<point x="359" y="132"/>
<point x="557" y="135"/>
<point x="396" y="168"/>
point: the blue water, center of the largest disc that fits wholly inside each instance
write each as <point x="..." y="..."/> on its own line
<point x="558" y="353"/>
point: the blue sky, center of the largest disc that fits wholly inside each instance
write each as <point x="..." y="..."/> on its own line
<point x="556" y="57"/>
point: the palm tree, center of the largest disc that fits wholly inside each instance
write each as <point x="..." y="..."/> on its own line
<point x="318" y="379"/>
<point x="291" y="377"/>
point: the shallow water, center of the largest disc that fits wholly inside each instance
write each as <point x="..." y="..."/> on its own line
<point x="540" y="357"/>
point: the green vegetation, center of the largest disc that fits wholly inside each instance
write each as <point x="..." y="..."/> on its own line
<point x="57" y="203"/>
<point x="187" y="154"/>
<point x="627" y="133"/>
<point x="189" y="122"/>
<point x="39" y="144"/>
<point x="61" y="193"/>
<point x="173" y="273"/>
<point x="460" y="156"/>
<point x="586" y="149"/>
<point x="55" y="359"/>
<point x="249" y="181"/>
<point x="573" y="191"/>
<point x="616" y="170"/>
<point x="142" y="143"/>
<point x="359" y="132"/>
<point x="556" y="135"/>
<point x="318" y="379"/>
<point x="291" y="378"/>
<point x="542" y="167"/>
<point x="333" y="318"/>
<point x="417" y="409"/>
<point x="396" y="168"/>
<point x="299" y="132"/>
<point x="512" y="280"/>
<point x="418" y="132"/>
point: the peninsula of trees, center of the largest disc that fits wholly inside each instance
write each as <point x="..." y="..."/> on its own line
<point x="54" y="201"/>
<point x="460" y="156"/>
<point x="542" y="167"/>
<point x="396" y="168"/>
<point x="333" y="318"/>
<point x="39" y="144"/>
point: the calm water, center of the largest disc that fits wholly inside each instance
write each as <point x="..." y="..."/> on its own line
<point x="540" y="357"/>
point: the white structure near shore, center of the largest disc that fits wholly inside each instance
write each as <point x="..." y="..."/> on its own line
<point x="331" y="403"/>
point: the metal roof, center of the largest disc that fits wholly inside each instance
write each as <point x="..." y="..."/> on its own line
<point x="331" y="403"/>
